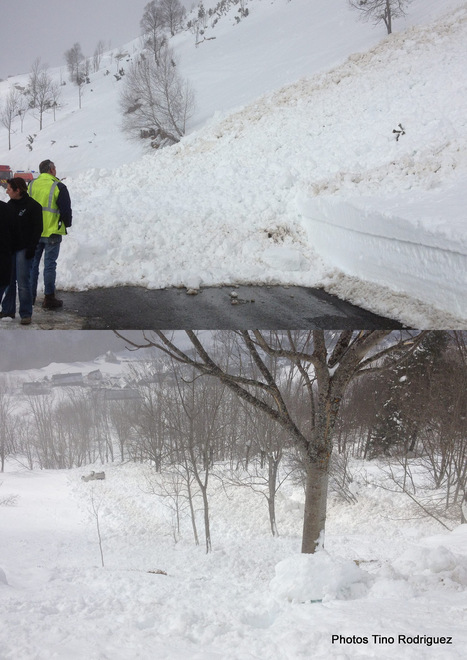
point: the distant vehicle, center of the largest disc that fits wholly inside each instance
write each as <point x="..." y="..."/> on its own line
<point x="5" y="175"/>
<point x="27" y="176"/>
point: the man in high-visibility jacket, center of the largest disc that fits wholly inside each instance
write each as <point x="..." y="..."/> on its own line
<point x="54" y="198"/>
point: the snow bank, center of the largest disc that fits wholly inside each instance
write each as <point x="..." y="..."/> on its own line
<point x="424" y="564"/>
<point x="416" y="245"/>
<point x="311" y="578"/>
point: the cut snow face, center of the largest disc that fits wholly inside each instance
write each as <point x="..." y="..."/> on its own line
<point x="340" y="180"/>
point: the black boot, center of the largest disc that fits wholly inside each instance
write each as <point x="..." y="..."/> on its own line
<point x="51" y="302"/>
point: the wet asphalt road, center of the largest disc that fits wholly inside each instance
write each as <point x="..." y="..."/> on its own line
<point x="212" y="308"/>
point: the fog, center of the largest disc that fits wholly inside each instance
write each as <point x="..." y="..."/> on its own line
<point x="38" y="349"/>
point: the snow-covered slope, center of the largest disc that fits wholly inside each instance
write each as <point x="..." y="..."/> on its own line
<point x="251" y="597"/>
<point x="255" y="192"/>
<point x="233" y="64"/>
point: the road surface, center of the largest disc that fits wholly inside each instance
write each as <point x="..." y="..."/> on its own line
<point x="212" y="308"/>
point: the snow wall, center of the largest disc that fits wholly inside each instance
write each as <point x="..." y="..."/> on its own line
<point x="411" y="249"/>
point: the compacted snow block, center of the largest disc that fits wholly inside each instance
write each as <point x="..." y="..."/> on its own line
<point x="304" y="578"/>
<point x="424" y="567"/>
<point x="412" y="243"/>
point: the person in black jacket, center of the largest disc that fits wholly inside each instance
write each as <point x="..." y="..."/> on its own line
<point x="6" y="247"/>
<point x="27" y="230"/>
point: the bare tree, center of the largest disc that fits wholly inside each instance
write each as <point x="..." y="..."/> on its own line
<point x="34" y="74"/>
<point x="122" y="416"/>
<point x="173" y="14"/>
<point x="9" y="110"/>
<point x="6" y="409"/>
<point x="94" y="509"/>
<point x="174" y="492"/>
<point x="43" y="424"/>
<point x="43" y="92"/>
<point x="74" y="428"/>
<point x="97" y="57"/>
<point x="266" y="443"/>
<point x="262" y="474"/>
<point x="443" y="439"/>
<point x="23" y="104"/>
<point x="77" y="67"/>
<point x="149" y="428"/>
<point x="74" y="59"/>
<point x="26" y="449"/>
<point x="102" y="444"/>
<point x="55" y="95"/>
<point x="156" y="102"/>
<point x="152" y="25"/>
<point x="325" y="364"/>
<point x="379" y="11"/>
<point x="193" y="418"/>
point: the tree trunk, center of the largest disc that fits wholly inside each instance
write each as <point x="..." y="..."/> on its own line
<point x="316" y="490"/>
<point x="192" y="508"/>
<point x="388" y="17"/>
<point x="273" y="465"/>
<point x="207" y="529"/>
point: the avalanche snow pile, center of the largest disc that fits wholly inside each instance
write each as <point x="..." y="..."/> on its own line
<point x="307" y="186"/>
<point x="397" y="215"/>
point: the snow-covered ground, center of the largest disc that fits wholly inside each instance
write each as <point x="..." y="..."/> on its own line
<point x="381" y="574"/>
<point x="385" y="571"/>
<point x="291" y="173"/>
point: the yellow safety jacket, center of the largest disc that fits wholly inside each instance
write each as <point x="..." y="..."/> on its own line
<point x="45" y="190"/>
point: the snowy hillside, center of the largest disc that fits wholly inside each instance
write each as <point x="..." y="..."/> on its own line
<point x="306" y="185"/>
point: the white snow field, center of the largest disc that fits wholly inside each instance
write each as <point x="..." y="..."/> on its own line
<point x="291" y="172"/>
<point x="383" y="574"/>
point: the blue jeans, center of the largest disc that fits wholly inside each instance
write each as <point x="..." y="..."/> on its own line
<point x="21" y="274"/>
<point x="49" y="246"/>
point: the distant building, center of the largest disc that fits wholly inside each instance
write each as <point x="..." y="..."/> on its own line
<point x="67" y="380"/>
<point x="35" y="388"/>
<point x="95" y="375"/>
<point x="159" y="378"/>
<point x="123" y="394"/>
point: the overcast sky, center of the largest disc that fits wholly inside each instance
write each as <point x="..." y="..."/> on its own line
<point x="47" y="28"/>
